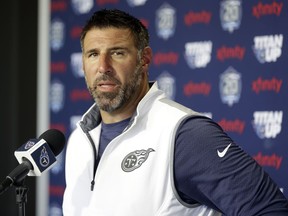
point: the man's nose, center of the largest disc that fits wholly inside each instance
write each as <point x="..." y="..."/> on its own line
<point x="104" y="64"/>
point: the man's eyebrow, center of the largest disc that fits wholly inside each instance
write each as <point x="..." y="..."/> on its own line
<point x="118" y="48"/>
<point x="93" y="50"/>
<point x="90" y="51"/>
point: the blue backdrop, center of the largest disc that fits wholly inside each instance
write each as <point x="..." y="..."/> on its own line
<point x="226" y="58"/>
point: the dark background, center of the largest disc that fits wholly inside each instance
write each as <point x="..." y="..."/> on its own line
<point x="18" y="92"/>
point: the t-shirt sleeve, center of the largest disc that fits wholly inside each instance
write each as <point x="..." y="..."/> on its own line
<point x="210" y="169"/>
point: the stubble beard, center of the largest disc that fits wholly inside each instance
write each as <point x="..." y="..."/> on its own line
<point x="111" y="101"/>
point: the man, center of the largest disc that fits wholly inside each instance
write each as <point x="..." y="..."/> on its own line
<point x="136" y="153"/>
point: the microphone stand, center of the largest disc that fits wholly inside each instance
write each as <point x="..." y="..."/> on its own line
<point x="21" y="197"/>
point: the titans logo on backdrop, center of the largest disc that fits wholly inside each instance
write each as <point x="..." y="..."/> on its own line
<point x="76" y="64"/>
<point x="57" y="96"/>
<point x="166" y="21"/>
<point x="167" y="83"/>
<point x="267" y="124"/>
<point x="198" y="54"/>
<point x="82" y="7"/>
<point x="268" y="48"/>
<point x="230" y="14"/>
<point x="230" y="86"/>
<point x="136" y="3"/>
<point x="57" y="34"/>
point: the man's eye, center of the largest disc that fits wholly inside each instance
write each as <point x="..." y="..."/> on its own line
<point x="92" y="55"/>
<point x="118" y="53"/>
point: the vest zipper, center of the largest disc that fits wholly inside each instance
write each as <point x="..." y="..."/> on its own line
<point x="94" y="156"/>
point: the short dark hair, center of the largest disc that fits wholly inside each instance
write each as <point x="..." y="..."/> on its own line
<point x="118" y="19"/>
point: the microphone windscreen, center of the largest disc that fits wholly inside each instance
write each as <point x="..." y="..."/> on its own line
<point x="55" y="139"/>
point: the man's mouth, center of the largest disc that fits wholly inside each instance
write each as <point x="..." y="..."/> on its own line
<point x="106" y="86"/>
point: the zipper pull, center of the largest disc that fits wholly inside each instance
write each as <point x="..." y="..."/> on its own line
<point x="92" y="185"/>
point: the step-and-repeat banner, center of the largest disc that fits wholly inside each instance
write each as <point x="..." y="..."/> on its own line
<point x="226" y="59"/>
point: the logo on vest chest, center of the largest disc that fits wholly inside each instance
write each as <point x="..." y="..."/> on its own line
<point x="135" y="159"/>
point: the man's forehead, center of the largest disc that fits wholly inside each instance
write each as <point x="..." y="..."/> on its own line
<point x="113" y="35"/>
<point x="109" y="30"/>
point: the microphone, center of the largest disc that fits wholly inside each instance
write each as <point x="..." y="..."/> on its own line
<point x="35" y="157"/>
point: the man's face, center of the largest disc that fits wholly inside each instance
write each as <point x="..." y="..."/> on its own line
<point x="112" y="67"/>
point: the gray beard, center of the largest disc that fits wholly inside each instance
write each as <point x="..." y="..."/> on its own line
<point x="111" y="101"/>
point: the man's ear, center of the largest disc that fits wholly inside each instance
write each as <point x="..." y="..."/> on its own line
<point x="146" y="56"/>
